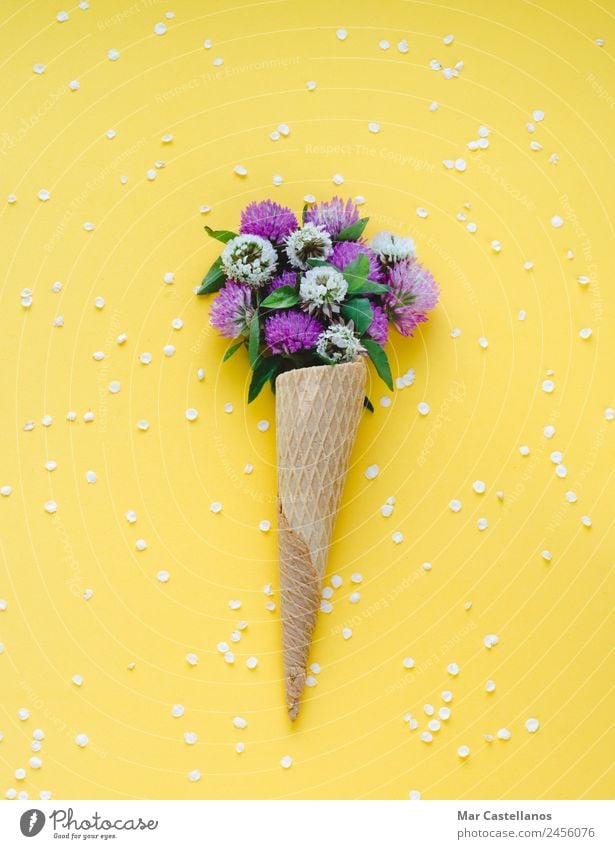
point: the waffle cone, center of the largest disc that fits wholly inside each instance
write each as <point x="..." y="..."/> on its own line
<point x="317" y="415"/>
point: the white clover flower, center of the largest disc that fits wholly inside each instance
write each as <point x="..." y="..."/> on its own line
<point x="249" y="259"/>
<point x="309" y="242"/>
<point x="323" y="288"/>
<point x="391" y="248"/>
<point x="339" y="343"/>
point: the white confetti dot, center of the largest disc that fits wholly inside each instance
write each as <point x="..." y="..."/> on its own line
<point x="532" y="725"/>
<point x="143" y="424"/>
<point x="121" y="338"/>
<point x="177" y="711"/>
<point x="483" y="342"/>
<point x="77" y="680"/>
<point x="99" y="302"/>
<point x="444" y="713"/>
<point x="549" y="431"/>
<point x="160" y="28"/>
<point x="586" y="521"/>
<point x="538" y="115"/>
<point x="23" y="714"/>
<point x="463" y="751"/>
<point x="240" y="722"/>
<point x="403" y="46"/>
<point x="491" y="640"/>
<point x="61" y="17"/>
<point x="346" y="633"/>
<point x="113" y="54"/>
<point x="386" y="510"/>
<point x="286" y="762"/>
<point x="342" y="34"/>
<point x="252" y="662"/>
<point x="20" y="774"/>
<point x="39" y="68"/>
<point x="234" y="604"/>
<point x="372" y="472"/>
<point x="6" y="490"/>
<point x="548" y="386"/>
<point x="240" y="170"/>
<point x="311" y="85"/>
<point x="433" y="106"/>
<point x="229" y="657"/>
<point x="561" y="471"/>
<point x="482" y="524"/>
<point x="453" y="669"/>
<point x="264" y="525"/>
<point x="479" y="487"/>
<point x="496" y="246"/>
<point x="194" y="775"/>
<point x="44" y="194"/>
<point x="504" y="734"/>
<point x="74" y="85"/>
<point x="585" y="332"/>
<point x="408" y="663"/>
<point x="397" y="537"/>
<point x="423" y="408"/>
<point x="163" y="576"/>
<point x="422" y="212"/>
<point x="609" y="414"/>
<point x="114" y="387"/>
<point x="338" y="179"/>
<point x="50" y="506"/>
<point x="557" y="221"/>
<point x="38" y="734"/>
<point x="177" y="324"/>
<point x="277" y="180"/>
<point x="460" y="165"/>
<point x="190" y="737"/>
<point x="140" y="545"/>
<point x="434" y="725"/>
<point x="373" y="127"/>
<point x="248" y="469"/>
<point x="82" y="740"/>
<point x="263" y="425"/>
<point x="490" y="686"/>
<point x="524" y="450"/>
<point x="91" y="476"/>
<point x="192" y="414"/>
<point x="336" y="581"/>
<point x="426" y="737"/>
<point x="192" y="659"/>
<point x="455" y="505"/>
<point x="546" y="555"/>
<point x="571" y="496"/>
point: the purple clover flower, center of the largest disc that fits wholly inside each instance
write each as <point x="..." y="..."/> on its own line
<point x="379" y="328"/>
<point x="287" y="278"/>
<point x="413" y="292"/>
<point x="334" y="215"/>
<point x="268" y="219"/>
<point x="232" y="310"/>
<point x="291" y="331"/>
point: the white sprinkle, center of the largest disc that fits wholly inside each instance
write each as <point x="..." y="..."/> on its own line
<point x="372" y="472"/>
<point x="408" y="663"/>
<point x="546" y="555"/>
<point x="426" y="737"/>
<point x="490" y="686"/>
<point x="163" y="576"/>
<point x="39" y="68"/>
<point x="549" y="431"/>
<point x="44" y="195"/>
<point x="240" y="722"/>
<point x="585" y="332"/>
<point x="277" y="180"/>
<point x="491" y="640"/>
<point x="263" y="425"/>
<point x="50" y="506"/>
<point x="455" y="505"/>
<point x="113" y="54"/>
<point x="192" y="414"/>
<point x="90" y="476"/>
<point x="177" y="711"/>
<point x="342" y="34"/>
<point x="252" y="662"/>
<point x="190" y="737"/>
<point x="556" y="457"/>
<point x="532" y="725"/>
<point x="143" y="424"/>
<point x="192" y="659"/>
<point x="87" y="594"/>
<point x="429" y="710"/>
<point x="561" y="471"/>
<point x="229" y="657"/>
<point x="609" y="414"/>
<point x="433" y="106"/>
<point x="463" y="751"/>
<point x="234" y="604"/>
<point x="427" y="567"/>
<point x="23" y="714"/>
<point x="386" y="510"/>
<point x="496" y="247"/>
<point x="455" y="333"/>
<point x="434" y="725"/>
<point x="140" y="545"/>
<point x="444" y="713"/>
<point x="397" y="537"/>
<point x="524" y="450"/>
<point x="20" y="774"/>
<point x="160" y="28"/>
<point x="240" y="170"/>
<point x="384" y="44"/>
<point x="286" y="762"/>
<point x="586" y="521"/>
<point x="453" y="669"/>
<point x="504" y="734"/>
<point x="325" y="606"/>
<point x="460" y="165"/>
<point x="482" y="524"/>
<point x="479" y="486"/>
<point x="571" y="496"/>
<point x="61" y="17"/>
<point x="114" y="387"/>
<point x="356" y="577"/>
<point x="207" y="44"/>
<point x="200" y="374"/>
<point x="264" y="525"/>
<point x="6" y="490"/>
<point x="538" y="115"/>
<point x="373" y="127"/>
<point x="446" y="696"/>
<point x="483" y="343"/>
<point x="422" y="212"/>
<point x="336" y="581"/>
<point x="311" y="85"/>
<point x="346" y="633"/>
<point x="82" y="740"/>
<point x="99" y="302"/>
<point x="74" y="85"/>
<point x="557" y="221"/>
<point x="121" y="338"/>
<point x="471" y="227"/>
<point x="194" y="775"/>
<point x="338" y="179"/>
<point x="423" y="408"/>
<point x="402" y="46"/>
<point x="38" y="734"/>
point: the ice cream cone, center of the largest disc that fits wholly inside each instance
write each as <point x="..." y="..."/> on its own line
<point x="317" y="415"/>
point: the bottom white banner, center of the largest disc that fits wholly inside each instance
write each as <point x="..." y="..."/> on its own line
<point x="303" y="824"/>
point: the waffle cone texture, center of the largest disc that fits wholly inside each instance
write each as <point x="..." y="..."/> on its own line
<point x="317" y="416"/>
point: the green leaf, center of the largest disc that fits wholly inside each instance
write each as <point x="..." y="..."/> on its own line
<point x="285" y="296"/>
<point x="366" y="287"/>
<point x="213" y="280"/>
<point x="254" y="341"/>
<point x="359" y="311"/>
<point x="355" y="273"/>
<point x="353" y="231"/>
<point x="368" y="404"/>
<point x="380" y="361"/>
<point x="230" y="351"/>
<point x="221" y="235"/>
<point x="266" y="368"/>
<point x="306" y="206"/>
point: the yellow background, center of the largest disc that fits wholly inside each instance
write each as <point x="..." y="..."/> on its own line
<point x="552" y="619"/>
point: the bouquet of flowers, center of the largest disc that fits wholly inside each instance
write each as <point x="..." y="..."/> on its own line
<point x="310" y="303"/>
